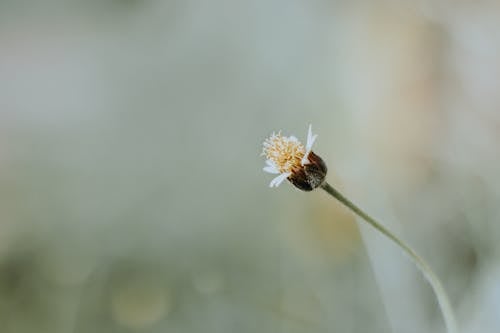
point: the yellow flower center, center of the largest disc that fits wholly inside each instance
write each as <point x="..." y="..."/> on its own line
<point x="285" y="152"/>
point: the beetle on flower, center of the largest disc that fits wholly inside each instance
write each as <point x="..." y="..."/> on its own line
<point x="290" y="159"/>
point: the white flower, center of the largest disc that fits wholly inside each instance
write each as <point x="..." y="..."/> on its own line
<point x="286" y="155"/>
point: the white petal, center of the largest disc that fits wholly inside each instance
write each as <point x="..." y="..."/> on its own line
<point x="278" y="180"/>
<point x="271" y="169"/>
<point x="310" y="139"/>
<point x="293" y="138"/>
<point x="310" y="143"/>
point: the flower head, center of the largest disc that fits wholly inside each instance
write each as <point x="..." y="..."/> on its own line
<point x="290" y="159"/>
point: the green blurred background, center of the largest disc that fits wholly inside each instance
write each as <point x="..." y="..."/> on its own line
<point x="132" y="197"/>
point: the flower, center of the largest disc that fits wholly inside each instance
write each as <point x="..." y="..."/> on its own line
<point x="290" y="159"/>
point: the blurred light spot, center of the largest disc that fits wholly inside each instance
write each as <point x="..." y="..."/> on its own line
<point x="139" y="302"/>
<point x="208" y="283"/>
<point x="300" y="307"/>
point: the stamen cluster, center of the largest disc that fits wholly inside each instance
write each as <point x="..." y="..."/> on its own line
<point x="286" y="153"/>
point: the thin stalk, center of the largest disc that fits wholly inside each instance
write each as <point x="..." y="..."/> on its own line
<point x="443" y="301"/>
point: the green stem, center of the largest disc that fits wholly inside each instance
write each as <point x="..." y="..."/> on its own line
<point x="426" y="270"/>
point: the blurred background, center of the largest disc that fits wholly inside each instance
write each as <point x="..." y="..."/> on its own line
<point x="132" y="197"/>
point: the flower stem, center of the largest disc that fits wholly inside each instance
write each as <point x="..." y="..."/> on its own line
<point x="426" y="270"/>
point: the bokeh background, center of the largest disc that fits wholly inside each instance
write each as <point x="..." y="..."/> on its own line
<point x="131" y="192"/>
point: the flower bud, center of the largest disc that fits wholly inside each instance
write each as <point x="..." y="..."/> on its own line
<point x="311" y="175"/>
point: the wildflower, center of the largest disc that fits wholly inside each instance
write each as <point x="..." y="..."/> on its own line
<point x="290" y="159"/>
